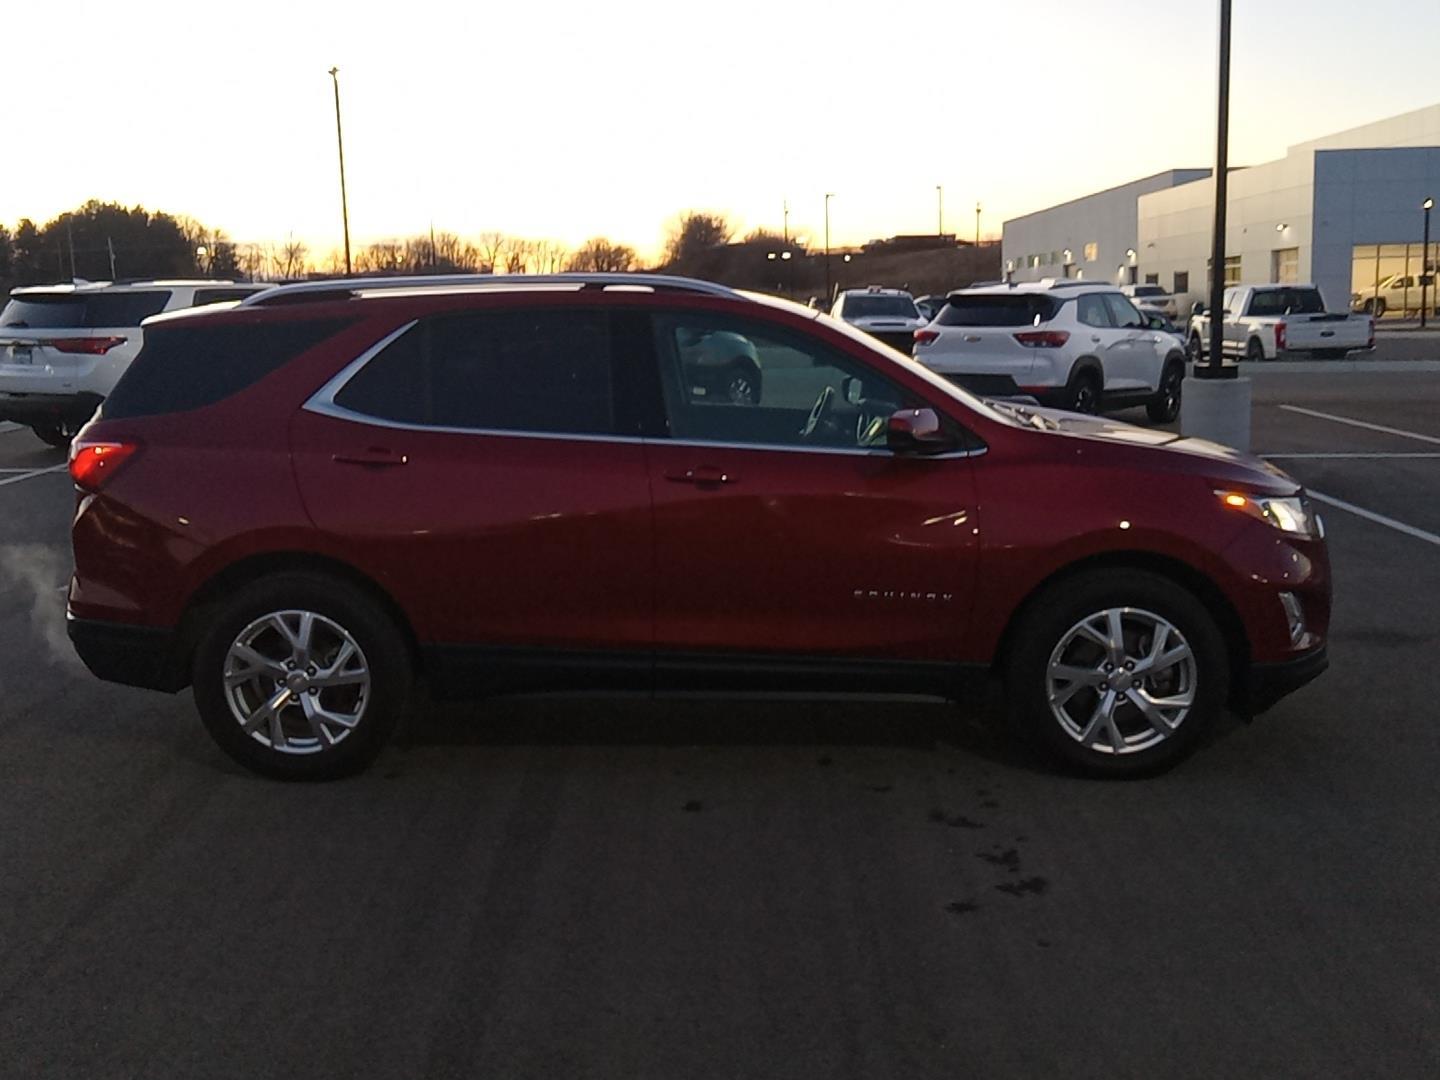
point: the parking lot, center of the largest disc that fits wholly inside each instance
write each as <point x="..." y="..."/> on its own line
<point x="552" y="887"/>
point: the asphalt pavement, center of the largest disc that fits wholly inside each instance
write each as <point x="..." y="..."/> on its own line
<point x="615" y="888"/>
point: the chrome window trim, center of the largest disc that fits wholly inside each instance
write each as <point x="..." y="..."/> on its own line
<point x="322" y="403"/>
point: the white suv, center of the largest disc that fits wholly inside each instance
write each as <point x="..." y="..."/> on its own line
<point x="887" y="314"/>
<point x="63" y="347"/>
<point x="1077" y="345"/>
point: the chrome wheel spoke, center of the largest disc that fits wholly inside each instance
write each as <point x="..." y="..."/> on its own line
<point x="1148" y="709"/>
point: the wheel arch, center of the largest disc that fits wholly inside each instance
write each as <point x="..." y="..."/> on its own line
<point x="1083" y="363"/>
<point x="252" y="568"/>
<point x="1194" y="581"/>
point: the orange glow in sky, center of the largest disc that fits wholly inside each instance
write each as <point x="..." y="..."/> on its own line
<point x="566" y="120"/>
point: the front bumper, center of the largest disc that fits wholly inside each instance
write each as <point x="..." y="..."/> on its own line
<point x="149" y="657"/>
<point x="33" y="410"/>
<point x="1266" y="684"/>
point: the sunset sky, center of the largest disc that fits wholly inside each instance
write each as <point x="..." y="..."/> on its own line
<point x="566" y="120"/>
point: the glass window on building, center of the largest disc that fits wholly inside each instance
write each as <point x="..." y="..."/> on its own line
<point x="1386" y="279"/>
<point x="1285" y="266"/>
<point x="1092" y="251"/>
<point x="1152" y="279"/>
<point x="1232" y="270"/>
<point x="1182" y="282"/>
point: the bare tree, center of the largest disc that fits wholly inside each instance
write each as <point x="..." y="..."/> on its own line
<point x="293" y="260"/>
<point x="492" y="245"/>
<point x="550" y="257"/>
<point x="599" y="255"/>
<point x="519" y="255"/>
<point x="694" y="234"/>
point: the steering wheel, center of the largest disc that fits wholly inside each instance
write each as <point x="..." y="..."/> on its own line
<point x="819" y="413"/>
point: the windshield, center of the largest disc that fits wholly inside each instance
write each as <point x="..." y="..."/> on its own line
<point x="863" y="307"/>
<point x="1148" y="290"/>
<point x="77" y="311"/>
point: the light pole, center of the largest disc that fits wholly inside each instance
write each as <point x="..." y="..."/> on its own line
<point x="786" y="227"/>
<point x="828" y="196"/>
<point x="939" y="210"/>
<point x="340" y="144"/>
<point x="977" y="224"/>
<point x="1427" y="206"/>
<point x="1217" y="403"/>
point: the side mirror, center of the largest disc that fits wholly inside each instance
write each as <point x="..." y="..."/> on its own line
<point x="916" y="431"/>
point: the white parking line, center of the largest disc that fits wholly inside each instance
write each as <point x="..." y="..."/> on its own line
<point x="1379" y="519"/>
<point x="1418" y="454"/>
<point x="32" y="473"/>
<point x="1362" y="424"/>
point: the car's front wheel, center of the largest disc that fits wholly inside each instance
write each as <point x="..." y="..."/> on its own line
<point x="59" y="434"/>
<point x="1116" y="672"/>
<point x="300" y="676"/>
<point x="1164" y="407"/>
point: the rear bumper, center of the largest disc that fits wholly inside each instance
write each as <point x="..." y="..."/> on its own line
<point x="1266" y="684"/>
<point x="35" y="409"/>
<point x="145" y="656"/>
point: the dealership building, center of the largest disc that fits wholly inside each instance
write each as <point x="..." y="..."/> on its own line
<point x="1343" y="211"/>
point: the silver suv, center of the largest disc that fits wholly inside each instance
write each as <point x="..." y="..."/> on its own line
<point x="63" y="347"/>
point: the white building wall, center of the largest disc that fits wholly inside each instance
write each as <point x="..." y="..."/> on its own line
<point x="1105" y="219"/>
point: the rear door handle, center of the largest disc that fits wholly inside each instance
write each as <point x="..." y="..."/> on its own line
<point x="376" y="457"/>
<point x="703" y="475"/>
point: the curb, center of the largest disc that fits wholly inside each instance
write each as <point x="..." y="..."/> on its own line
<point x="1377" y="367"/>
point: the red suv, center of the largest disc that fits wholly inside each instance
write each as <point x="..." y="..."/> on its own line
<point x="305" y="503"/>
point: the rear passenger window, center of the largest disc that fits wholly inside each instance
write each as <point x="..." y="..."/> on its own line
<point x="1090" y="310"/>
<point x="220" y="296"/>
<point x="536" y="370"/>
<point x="184" y="366"/>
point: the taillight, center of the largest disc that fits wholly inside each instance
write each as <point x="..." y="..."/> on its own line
<point x="1279" y="337"/>
<point x="925" y="337"/>
<point x="1043" y="339"/>
<point x="93" y="464"/>
<point x="88" y="346"/>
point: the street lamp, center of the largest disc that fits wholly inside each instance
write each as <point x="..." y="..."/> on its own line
<point x="977" y="224"/>
<point x="200" y="253"/>
<point x="1427" y="206"/>
<point x="828" y="196"/>
<point x="939" y="210"/>
<point x="340" y="144"/>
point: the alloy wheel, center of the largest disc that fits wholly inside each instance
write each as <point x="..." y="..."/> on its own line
<point x="1121" y="680"/>
<point x="296" y="682"/>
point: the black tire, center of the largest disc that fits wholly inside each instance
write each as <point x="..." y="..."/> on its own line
<point x="740" y="383"/>
<point x="1379" y="311"/>
<point x="1164" y="407"/>
<point x="1044" y="626"/>
<point x="1255" y="352"/>
<point x="58" y="434"/>
<point x="380" y="704"/>
<point x="1195" y="349"/>
<point x="1083" y="393"/>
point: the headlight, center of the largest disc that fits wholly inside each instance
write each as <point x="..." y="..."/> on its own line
<point x="1291" y="514"/>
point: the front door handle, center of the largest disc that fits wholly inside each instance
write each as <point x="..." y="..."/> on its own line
<point x="702" y="475"/>
<point x="1095" y="337"/>
<point x="376" y="457"/>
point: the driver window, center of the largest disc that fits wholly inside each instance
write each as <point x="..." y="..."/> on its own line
<point x="1123" y="312"/>
<point x="731" y="381"/>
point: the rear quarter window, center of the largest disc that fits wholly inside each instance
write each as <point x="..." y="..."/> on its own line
<point x="998" y="310"/>
<point x="184" y="367"/>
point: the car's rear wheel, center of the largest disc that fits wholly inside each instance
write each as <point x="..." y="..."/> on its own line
<point x="1117" y="672"/>
<point x="1195" y="349"/>
<point x="1083" y="394"/>
<point x="299" y="676"/>
<point x="1255" y="352"/>
<point x="59" y="434"/>
<point x="1164" y="407"/>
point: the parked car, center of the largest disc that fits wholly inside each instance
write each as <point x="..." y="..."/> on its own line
<point x="929" y="306"/>
<point x="1079" y="345"/>
<point x="305" y="504"/>
<point x="1397" y="293"/>
<point x="1266" y="322"/>
<point x="887" y="314"/>
<point x="1152" y="299"/>
<point x="62" y="347"/>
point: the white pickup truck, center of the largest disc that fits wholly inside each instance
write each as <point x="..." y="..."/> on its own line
<point x="1263" y="322"/>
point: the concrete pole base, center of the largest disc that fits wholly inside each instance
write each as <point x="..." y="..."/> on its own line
<point x="1218" y="410"/>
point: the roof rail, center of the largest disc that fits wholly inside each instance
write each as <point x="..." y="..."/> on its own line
<point x="345" y="288"/>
